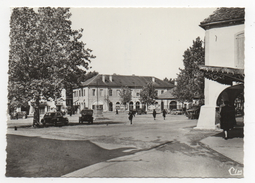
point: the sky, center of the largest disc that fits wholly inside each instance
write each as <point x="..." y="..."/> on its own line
<point x="139" y="41"/>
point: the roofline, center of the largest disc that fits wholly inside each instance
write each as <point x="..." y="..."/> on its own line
<point x="222" y="23"/>
<point x="92" y="79"/>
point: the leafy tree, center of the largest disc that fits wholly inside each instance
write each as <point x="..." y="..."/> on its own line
<point x="190" y="80"/>
<point x="46" y="55"/>
<point x="125" y="95"/>
<point x="148" y="94"/>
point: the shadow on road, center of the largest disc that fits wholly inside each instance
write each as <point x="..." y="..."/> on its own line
<point x="39" y="157"/>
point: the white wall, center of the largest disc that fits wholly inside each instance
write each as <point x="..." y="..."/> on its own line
<point x="220" y="46"/>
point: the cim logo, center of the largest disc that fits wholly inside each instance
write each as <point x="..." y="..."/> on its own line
<point x="233" y="171"/>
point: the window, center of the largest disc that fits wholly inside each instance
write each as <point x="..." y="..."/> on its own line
<point x="101" y="92"/>
<point x="79" y="93"/>
<point x="138" y="94"/>
<point x="162" y="91"/>
<point x="156" y="93"/>
<point x="84" y="92"/>
<point x="93" y="92"/>
<point x="239" y="50"/>
<point x="110" y="92"/>
<point x="118" y="92"/>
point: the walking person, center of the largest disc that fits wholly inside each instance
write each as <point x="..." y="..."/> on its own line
<point x="154" y="114"/>
<point x="130" y="116"/>
<point x="164" y="114"/>
<point x="227" y="118"/>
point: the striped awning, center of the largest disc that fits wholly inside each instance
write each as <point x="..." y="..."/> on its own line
<point x="223" y="75"/>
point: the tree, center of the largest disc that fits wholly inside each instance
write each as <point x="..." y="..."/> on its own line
<point x="125" y="95"/>
<point x="190" y="80"/>
<point x="46" y="55"/>
<point x="148" y="94"/>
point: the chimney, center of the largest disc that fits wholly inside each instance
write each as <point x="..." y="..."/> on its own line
<point x="153" y="79"/>
<point x="110" y="78"/>
<point x="103" y="78"/>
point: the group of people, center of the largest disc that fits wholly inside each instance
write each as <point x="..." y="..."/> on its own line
<point x="227" y="117"/>
<point x="154" y="113"/>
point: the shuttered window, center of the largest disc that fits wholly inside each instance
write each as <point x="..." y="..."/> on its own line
<point x="239" y="60"/>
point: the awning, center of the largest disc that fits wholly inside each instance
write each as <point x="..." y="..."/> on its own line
<point x="223" y="75"/>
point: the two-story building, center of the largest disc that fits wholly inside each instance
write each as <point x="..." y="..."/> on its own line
<point x="224" y="63"/>
<point x="103" y="91"/>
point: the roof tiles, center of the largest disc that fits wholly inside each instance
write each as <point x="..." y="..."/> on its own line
<point x="123" y="80"/>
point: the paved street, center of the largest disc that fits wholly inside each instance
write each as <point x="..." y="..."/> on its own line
<point x="150" y="148"/>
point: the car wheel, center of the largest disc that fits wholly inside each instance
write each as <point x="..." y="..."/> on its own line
<point x="66" y="122"/>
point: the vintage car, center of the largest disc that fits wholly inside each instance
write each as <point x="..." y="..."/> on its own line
<point x="193" y="113"/>
<point x="54" y="118"/>
<point x="86" y="115"/>
<point x="141" y="111"/>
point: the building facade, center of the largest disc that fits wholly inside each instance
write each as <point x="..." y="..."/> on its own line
<point x="224" y="63"/>
<point x="50" y="105"/>
<point x="103" y="91"/>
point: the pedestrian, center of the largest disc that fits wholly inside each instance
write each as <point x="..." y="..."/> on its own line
<point x="17" y="115"/>
<point x="184" y="109"/>
<point x="164" y="113"/>
<point x="130" y="116"/>
<point x="227" y="118"/>
<point x="154" y="114"/>
<point x="117" y="111"/>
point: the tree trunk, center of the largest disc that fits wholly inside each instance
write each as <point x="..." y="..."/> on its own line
<point x="36" y="113"/>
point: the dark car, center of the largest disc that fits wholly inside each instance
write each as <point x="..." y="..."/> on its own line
<point x="54" y="118"/>
<point x="86" y="115"/>
<point x="141" y="111"/>
<point x="193" y="113"/>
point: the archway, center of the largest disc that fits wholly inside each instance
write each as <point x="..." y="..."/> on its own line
<point x="162" y="105"/>
<point x="110" y="106"/>
<point x="231" y="94"/>
<point x="137" y="105"/>
<point x="117" y="105"/>
<point x="173" y="105"/>
<point x="235" y="96"/>
<point x="131" y="106"/>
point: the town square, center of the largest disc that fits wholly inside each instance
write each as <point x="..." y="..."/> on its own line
<point x="126" y="93"/>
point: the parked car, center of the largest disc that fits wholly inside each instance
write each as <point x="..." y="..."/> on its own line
<point x="86" y="115"/>
<point x="176" y="112"/>
<point x="193" y="113"/>
<point x="141" y="111"/>
<point x="54" y="118"/>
